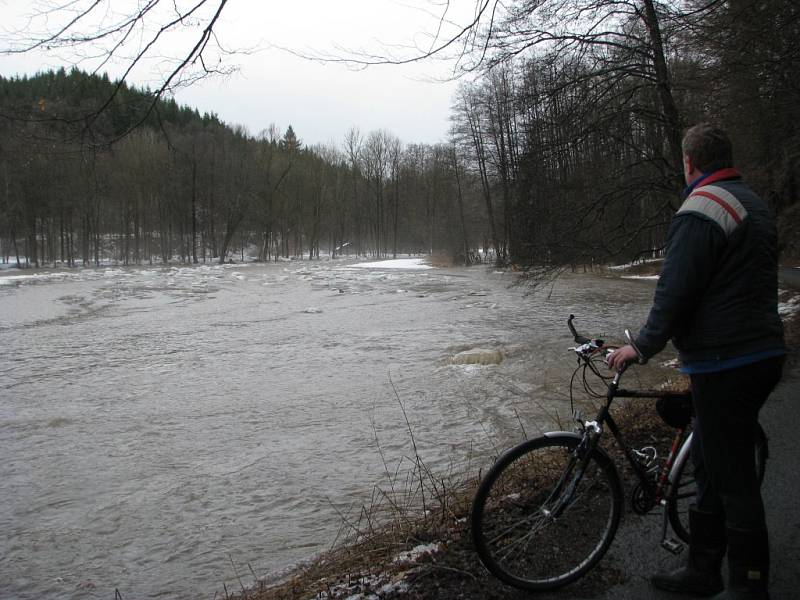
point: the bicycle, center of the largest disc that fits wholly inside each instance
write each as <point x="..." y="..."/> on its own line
<point x="548" y="509"/>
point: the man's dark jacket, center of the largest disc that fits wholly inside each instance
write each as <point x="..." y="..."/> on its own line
<point x="716" y="297"/>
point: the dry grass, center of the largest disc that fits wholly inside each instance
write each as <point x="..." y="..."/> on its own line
<point x="365" y="556"/>
<point x="412" y="506"/>
<point x="407" y="510"/>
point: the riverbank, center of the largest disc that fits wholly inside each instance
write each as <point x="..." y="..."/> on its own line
<point x="429" y="554"/>
<point x="426" y="553"/>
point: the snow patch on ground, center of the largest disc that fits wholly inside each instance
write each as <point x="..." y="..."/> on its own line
<point x="374" y="587"/>
<point x="634" y="264"/>
<point x="672" y="363"/>
<point x="648" y="277"/>
<point x="789" y="307"/>
<point x="417" y="552"/>
<point x="397" y="263"/>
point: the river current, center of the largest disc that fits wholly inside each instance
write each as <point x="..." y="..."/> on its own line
<point x="163" y="429"/>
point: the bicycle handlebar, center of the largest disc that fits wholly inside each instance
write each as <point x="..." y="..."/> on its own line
<point x="579" y="339"/>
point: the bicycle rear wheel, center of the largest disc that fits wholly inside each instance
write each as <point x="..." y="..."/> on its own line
<point x="682" y="495"/>
<point x="542" y="517"/>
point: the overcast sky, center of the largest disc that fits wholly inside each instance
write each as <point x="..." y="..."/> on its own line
<point x="320" y="101"/>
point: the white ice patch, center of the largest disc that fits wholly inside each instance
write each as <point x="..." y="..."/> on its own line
<point x="39" y="277"/>
<point x="790" y="307"/>
<point x="413" y="555"/>
<point x="12" y="279"/>
<point x="673" y="363"/>
<point x="397" y="263"/>
<point x="372" y="582"/>
<point x="645" y="277"/>
<point x="634" y="264"/>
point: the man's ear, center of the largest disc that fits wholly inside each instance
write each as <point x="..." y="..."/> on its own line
<point x="689" y="171"/>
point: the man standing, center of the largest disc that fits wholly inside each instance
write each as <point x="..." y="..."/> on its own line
<point x="716" y="299"/>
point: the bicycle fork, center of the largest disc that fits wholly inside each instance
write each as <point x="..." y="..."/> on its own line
<point x="572" y="476"/>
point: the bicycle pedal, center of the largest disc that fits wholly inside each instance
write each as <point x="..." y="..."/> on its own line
<point x="672" y="546"/>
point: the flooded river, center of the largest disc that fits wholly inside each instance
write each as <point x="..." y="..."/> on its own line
<point x="160" y="425"/>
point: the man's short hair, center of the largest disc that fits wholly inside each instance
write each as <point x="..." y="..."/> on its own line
<point x="708" y="147"/>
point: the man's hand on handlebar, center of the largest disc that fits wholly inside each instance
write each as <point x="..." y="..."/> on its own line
<point x="622" y="356"/>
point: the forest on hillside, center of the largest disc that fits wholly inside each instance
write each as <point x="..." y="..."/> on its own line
<point x="564" y="150"/>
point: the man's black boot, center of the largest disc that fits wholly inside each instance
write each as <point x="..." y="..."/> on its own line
<point x="748" y="565"/>
<point x="701" y="576"/>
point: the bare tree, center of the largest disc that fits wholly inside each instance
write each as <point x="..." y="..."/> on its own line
<point x="614" y="40"/>
<point x="394" y="148"/>
<point x="353" y="149"/>
<point x="274" y="167"/>
<point x="375" y="164"/>
<point x="94" y="34"/>
<point x="474" y="137"/>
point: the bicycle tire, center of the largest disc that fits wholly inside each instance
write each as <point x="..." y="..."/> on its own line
<point x="681" y="496"/>
<point x="520" y="534"/>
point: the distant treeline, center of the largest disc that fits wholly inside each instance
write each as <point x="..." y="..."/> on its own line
<point x="81" y="182"/>
<point x="566" y="153"/>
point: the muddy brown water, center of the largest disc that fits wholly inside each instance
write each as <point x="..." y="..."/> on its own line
<point x="160" y="425"/>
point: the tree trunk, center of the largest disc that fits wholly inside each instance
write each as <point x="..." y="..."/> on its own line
<point x="672" y="123"/>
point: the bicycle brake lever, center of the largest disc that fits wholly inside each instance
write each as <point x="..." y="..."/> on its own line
<point x="632" y="342"/>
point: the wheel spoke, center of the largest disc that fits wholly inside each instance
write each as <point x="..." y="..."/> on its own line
<point x="538" y="523"/>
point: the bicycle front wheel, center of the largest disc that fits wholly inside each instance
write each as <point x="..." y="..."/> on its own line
<point x="683" y="490"/>
<point x="544" y="515"/>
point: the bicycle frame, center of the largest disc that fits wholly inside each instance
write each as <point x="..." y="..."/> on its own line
<point x="681" y="445"/>
<point x="523" y="524"/>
